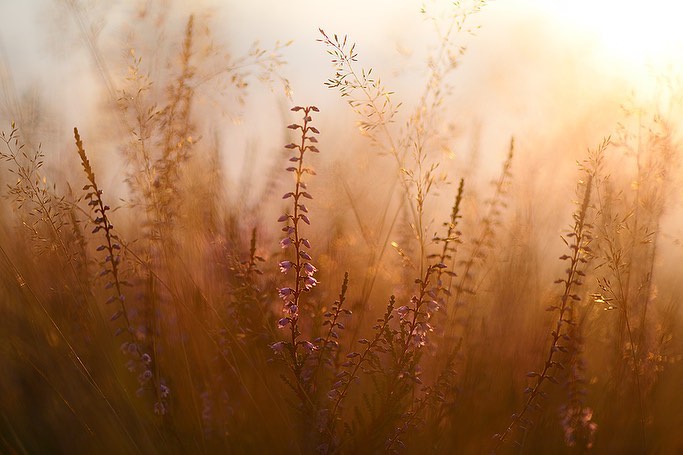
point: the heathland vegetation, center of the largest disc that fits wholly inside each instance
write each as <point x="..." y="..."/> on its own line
<point x="366" y="294"/>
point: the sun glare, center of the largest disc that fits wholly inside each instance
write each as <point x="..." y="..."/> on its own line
<point x="640" y="38"/>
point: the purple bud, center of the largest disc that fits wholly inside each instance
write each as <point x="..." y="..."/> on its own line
<point x="309" y="268"/>
<point x="308" y="346"/>
<point x="285" y="266"/>
<point x="159" y="408"/>
<point x="283" y="322"/>
<point x="278" y="347"/>
<point x="284" y="243"/>
<point x="165" y="391"/>
<point x="309" y="282"/>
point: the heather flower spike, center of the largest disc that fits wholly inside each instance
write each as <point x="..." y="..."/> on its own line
<point x="140" y="359"/>
<point x="294" y="350"/>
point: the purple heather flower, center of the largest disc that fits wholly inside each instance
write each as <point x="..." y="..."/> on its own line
<point x="309" y="269"/>
<point x="159" y="408"/>
<point x="285" y="293"/>
<point x="147" y="375"/>
<point x="424" y="327"/>
<point x="285" y="266"/>
<point x="308" y="346"/>
<point x="278" y="347"/>
<point x="403" y="311"/>
<point x="432" y="307"/>
<point x="309" y="282"/>
<point x="164" y="390"/>
<point x="419" y="340"/>
<point x="282" y="323"/>
<point x="284" y="243"/>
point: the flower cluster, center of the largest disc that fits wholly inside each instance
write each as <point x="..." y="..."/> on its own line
<point x="140" y="360"/>
<point x="579" y="427"/>
<point x="295" y="351"/>
<point x="301" y="264"/>
<point x="414" y="318"/>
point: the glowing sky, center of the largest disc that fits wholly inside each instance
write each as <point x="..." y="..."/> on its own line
<point x="531" y="60"/>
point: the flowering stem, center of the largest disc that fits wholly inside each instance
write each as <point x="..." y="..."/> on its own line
<point x="303" y="269"/>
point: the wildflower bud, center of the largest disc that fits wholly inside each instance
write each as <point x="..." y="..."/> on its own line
<point x="146" y="376"/>
<point x="308" y="346"/>
<point x="164" y="391"/>
<point x="309" y="268"/>
<point x="278" y="347"/>
<point x="159" y="408"/>
<point x="282" y="323"/>
<point x="285" y="293"/>
<point x="309" y="283"/>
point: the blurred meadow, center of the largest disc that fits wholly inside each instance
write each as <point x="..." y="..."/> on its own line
<point x="340" y="227"/>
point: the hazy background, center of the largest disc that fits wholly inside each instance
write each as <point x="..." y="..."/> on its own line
<point x="554" y="74"/>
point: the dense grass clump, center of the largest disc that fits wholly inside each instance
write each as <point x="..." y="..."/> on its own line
<point x="337" y="309"/>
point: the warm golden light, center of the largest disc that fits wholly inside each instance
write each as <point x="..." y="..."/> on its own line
<point x="358" y="227"/>
<point x="634" y="35"/>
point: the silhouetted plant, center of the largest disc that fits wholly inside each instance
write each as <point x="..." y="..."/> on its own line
<point x="579" y="254"/>
<point x="141" y="361"/>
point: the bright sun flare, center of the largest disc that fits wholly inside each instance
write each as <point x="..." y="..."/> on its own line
<point x="638" y="36"/>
